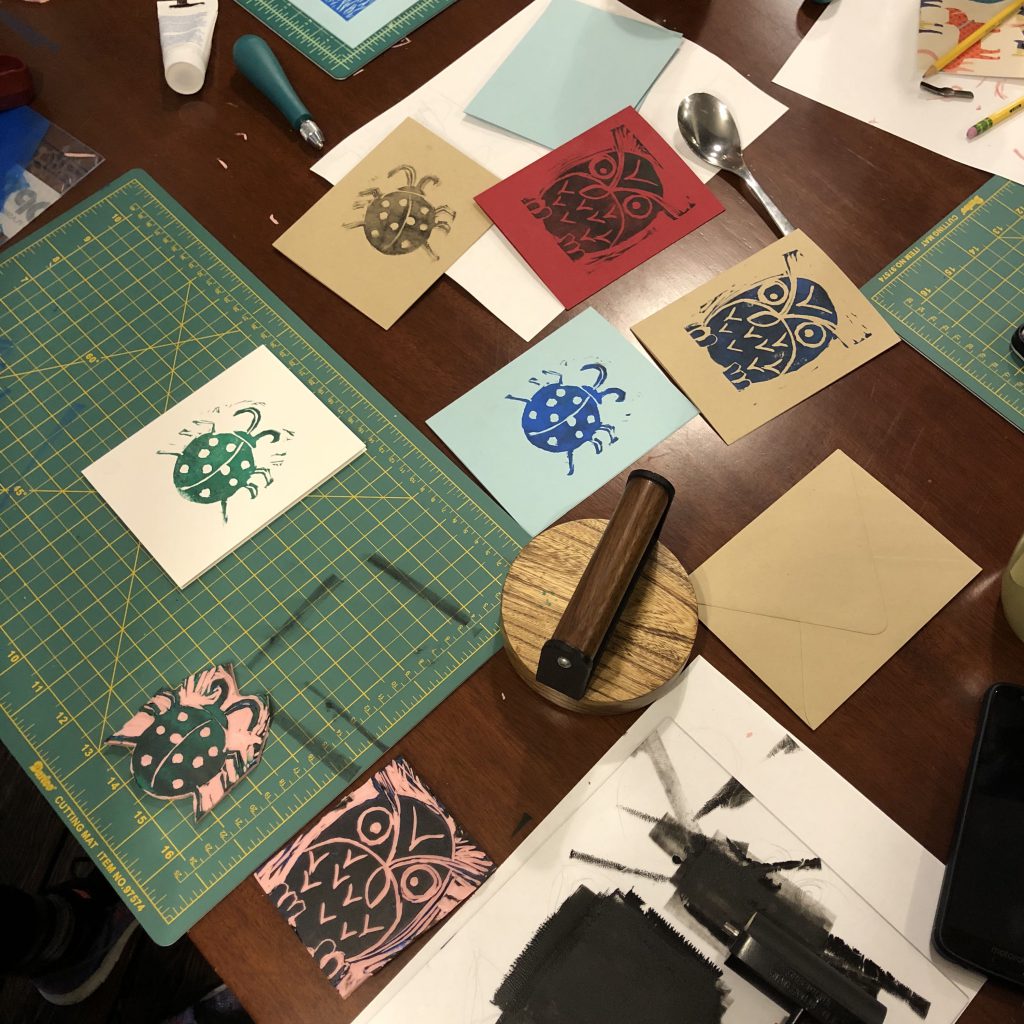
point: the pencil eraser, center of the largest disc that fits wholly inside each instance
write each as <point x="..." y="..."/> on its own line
<point x="972" y="132"/>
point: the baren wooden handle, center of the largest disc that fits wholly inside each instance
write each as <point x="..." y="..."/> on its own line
<point x="567" y="660"/>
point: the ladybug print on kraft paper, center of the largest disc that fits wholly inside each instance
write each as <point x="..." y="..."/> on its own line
<point x="599" y="206"/>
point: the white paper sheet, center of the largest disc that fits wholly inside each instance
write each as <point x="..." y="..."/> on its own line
<point x="868" y="851"/>
<point x="860" y="57"/>
<point x="492" y="271"/>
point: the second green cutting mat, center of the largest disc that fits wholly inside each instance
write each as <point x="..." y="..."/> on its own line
<point x="358" y="611"/>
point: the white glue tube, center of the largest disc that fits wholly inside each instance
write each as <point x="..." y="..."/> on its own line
<point x="186" y="32"/>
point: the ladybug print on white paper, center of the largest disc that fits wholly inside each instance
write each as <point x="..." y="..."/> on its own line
<point x="771" y="328"/>
<point x="195" y="742"/>
<point x="216" y="465"/>
<point x="402" y="221"/>
<point x="563" y="417"/>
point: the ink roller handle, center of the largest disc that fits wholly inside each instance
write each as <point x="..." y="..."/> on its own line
<point x="567" y="660"/>
<point x="255" y="59"/>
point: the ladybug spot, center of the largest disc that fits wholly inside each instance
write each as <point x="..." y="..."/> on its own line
<point x="183" y="469"/>
<point x="552" y="441"/>
<point x="233" y="482"/>
<point x="207" y="468"/>
<point x="393" y="225"/>
<point x="175" y="737"/>
<point x="386" y="203"/>
<point x="576" y="399"/>
<point x="560" y="392"/>
<point x="590" y="419"/>
<point x="205" y="492"/>
<point x="383" y="216"/>
<point x="532" y="416"/>
<point x="204" y="453"/>
<point x="423" y="227"/>
<point x="177" y="784"/>
<point x="246" y="464"/>
<point x="205" y="731"/>
<point x="225" y="470"/>
<point x="213" y="442"/>
<point x="403" y="202"/>
<point x="197" y="762"/>
<point x="424" y="210"/>
<point x="579" y="433"/>
<point x="182" y="716"/>
<point x="405" y="245"/>
<point x="160" y="730"/>
<point x="551" y="402"/>
<point x="146" y="760"/>
<point x="177" y="758"/>
<point x="571" y="421"/>
<point x="375" y="233"/>
<point x="410" y="220"/>
<point x="212" y="752"/>
<point x="553" y="418"/>
<point x="230" y="447"/>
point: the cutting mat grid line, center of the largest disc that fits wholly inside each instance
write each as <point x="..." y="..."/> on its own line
<point x="957" y="294"/>
<point x="113" y="315"/>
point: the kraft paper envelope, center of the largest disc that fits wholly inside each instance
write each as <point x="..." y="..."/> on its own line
<point x="822" y="588"/>
<point x="394" y="224"/>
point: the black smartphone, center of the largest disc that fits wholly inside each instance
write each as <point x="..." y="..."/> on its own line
<point x="980" y="921"/>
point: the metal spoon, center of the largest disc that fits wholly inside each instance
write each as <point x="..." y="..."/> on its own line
<point x="709" y="130"/>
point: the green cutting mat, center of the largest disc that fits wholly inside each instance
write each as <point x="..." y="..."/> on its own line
<point x="358" y="611"/>
<point x="957" y="295"/>
<point x="324" y="48"/>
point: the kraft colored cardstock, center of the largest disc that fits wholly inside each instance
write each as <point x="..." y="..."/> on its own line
<point x="765" y="335"/>
<point x="372" y="875"/>
<point x="826" y="585"/>
<point x="561" y="420"/>
<point x="212" y="471"/>
<point x="394" y="224"/>
<point x="576" y="66"/>
<point x="599" y="206"/>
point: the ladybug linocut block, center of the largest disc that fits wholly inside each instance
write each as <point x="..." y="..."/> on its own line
<point x="372" y="875"/>
<point x="764" y="336"/>
<point x="223" y="463"/>
<point x="595" y="208"/>
<point x="195" y="742"/>
<point x="394" y="224"/>
<point x="562" y="419"/>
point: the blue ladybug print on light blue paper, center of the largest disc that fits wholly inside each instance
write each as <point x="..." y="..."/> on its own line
<point x="769" y="329"/>
<point x="563" y="417"/>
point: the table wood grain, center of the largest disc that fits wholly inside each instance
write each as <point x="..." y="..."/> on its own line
<point x="495" y="751"/>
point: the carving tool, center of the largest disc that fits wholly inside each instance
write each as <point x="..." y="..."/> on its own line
<point x="597" y="615"/>
<point x="949" y="91"/>
<point x="255" y="59"/>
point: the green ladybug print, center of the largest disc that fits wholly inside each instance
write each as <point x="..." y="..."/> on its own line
<point x="215" y="466"/>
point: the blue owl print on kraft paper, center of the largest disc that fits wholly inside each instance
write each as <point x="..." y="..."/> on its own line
<point x="769" y="329"/>
<point x="561" y="418"/>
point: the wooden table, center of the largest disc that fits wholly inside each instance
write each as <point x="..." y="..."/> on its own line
<point x="495" y="751"/>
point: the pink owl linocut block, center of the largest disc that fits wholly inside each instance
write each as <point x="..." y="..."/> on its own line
<point x="196" y="741"/>
<point x="373" y="874"/>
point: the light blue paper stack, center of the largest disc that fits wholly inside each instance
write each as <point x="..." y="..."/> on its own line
<point x="575" y="67"/>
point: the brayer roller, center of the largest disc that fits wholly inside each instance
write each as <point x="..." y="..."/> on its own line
<point x="568" y="659"/>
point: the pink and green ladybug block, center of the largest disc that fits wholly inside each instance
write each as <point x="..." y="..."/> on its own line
<point x="198" y="740"/>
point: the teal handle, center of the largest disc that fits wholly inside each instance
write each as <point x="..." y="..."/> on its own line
<point x="255" y="59"/>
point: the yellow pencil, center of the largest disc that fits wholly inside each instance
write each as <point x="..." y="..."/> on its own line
<point x="966" y="44"/>
<point x="993" y="119"/>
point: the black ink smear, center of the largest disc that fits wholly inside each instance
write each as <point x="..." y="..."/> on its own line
<point x="605" y="959"/>
<point x="721" y="886"/>
<point x="787" y="745"/>
<point x="319" y="748"/>
<point x="523" y="822"/>
<point x="321" y="590"/>
<point x="589" y="858"/>
<point x="732" y="794"/>
<point x="338" y="710"/>
<point x="449" y="607"/>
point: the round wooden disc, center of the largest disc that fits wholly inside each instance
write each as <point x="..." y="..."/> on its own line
<point x="650" y="642"/>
